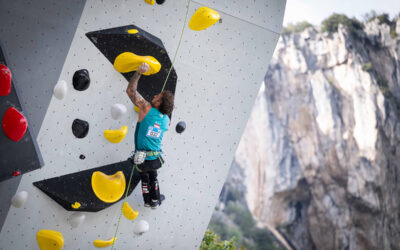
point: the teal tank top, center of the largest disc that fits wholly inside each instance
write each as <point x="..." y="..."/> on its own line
<point x="149" y="132"/>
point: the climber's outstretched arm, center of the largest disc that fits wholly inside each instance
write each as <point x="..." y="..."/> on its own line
<point x="132" y="92"/>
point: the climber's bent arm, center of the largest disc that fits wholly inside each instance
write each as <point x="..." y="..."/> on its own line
<point x="132" y="92"/>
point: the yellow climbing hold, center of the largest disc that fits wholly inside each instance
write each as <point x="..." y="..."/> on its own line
<point x="203" y="18"/>
<point x="76" y="205"/>
<point x="104" y="243"/>
<point x="132" y="31"/>
<point x="129" y="213"/>
<point x="127" y="62"/>
<point x="49" y="240"/>
<point x="149" y="2"/>
<point x="136" y="109"/>
<point x="108" y="188"/>
<point x="116" y="136"/>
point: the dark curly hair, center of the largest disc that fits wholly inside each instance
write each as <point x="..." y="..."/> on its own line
<point x="167" y="103"/>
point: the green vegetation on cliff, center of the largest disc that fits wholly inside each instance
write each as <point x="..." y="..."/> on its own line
<point x="211" y="241"/>
<point x="295" y="28"/>
<point x="235" y="221"/>
<point x="383" y="19"/>
<point x="331" y="24"/>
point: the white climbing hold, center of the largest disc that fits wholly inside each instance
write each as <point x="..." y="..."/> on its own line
<point x="141" y="227"/>
<point x="19" y="199"/>
<point x="60" y="90"/>
<point x="76" y="219"/>
<point x="118" y="110"/>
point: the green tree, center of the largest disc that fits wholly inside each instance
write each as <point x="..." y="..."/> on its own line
<point x="264" y="240"/>
<point x="331" y="24"/>
<point x="295" y="28"/>
<point x="367" y="67"/>
<point x="383" y="19"/>
<point x="242" y="217"/>
<point x="369" y="16"/>
<point x="393" y="33"/>
<point x="211" y="241"/>
<point x="372" y="15"/>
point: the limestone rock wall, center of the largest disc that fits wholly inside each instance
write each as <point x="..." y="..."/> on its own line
<point x="320" y="155"/>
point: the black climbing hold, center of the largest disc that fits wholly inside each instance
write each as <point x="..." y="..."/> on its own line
<point x="113" y="42"/>
<point x="80" y="128"/>
<point x="81" y="80"/>
<point x="160" y="1"/>
<point x="68" y="189"/>
<point x="180" y="127"/>
<point x="82" y="157"/>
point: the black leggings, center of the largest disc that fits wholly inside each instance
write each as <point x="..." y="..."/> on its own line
<point x="148" y="175"/>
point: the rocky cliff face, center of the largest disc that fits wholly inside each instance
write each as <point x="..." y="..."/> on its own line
<point x="319" y="161"/>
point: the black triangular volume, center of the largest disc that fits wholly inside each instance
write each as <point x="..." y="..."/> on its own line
<point x="112" y="42"/>
<point x="76" y="187"/>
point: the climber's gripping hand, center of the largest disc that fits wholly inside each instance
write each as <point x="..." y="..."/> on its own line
<point x="143" y="68"/>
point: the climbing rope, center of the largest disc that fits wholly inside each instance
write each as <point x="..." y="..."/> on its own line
<point x="179" y="44"/>
<point x="165" y="82"/>
<point x="120" y="213"/>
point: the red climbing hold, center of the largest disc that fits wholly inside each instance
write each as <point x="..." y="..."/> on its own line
<point x="16" y="173"/>
<point x="5" y="80"/>
<point x="14" y="124"/>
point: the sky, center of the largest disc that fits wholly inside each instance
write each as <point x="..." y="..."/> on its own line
<point x="314" y="11"/>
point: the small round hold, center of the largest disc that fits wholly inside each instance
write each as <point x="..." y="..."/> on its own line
<point x="160" y="1"/>
<point x="82" y="157"/>
<point x="19" y="199"/>
<point x="118" y="110"/>
<point x="81" y="80"/>
<point x="80" y="128"/>
<point x="76" y="219"/>
<point x="180" y="127"/>
<point x="60" y="90"/>
<point x="141" y="227"/>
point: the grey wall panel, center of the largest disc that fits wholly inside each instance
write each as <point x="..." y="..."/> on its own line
<point x="35" y="37"/>
<point x="7" y="190"/>
<point x="266" y="13"/>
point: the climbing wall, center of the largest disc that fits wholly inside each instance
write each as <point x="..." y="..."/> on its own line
<point x="17" y="147"/>
<point x="35" y="37"/>
<point x="219" y="71"/>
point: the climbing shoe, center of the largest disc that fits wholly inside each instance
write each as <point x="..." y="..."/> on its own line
<point x="147" y="205"/>
<point x="155" y="204"/>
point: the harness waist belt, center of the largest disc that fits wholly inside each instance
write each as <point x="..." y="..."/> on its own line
<point x="153" y="153"/>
